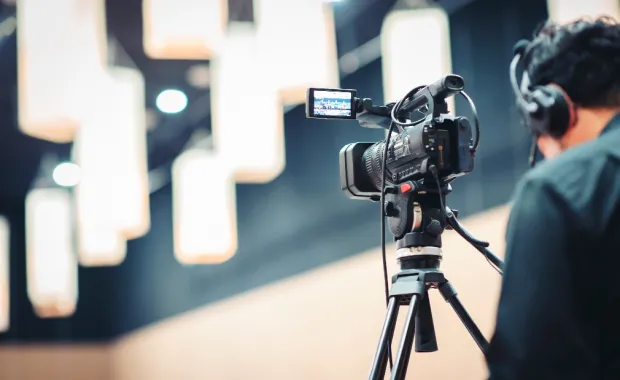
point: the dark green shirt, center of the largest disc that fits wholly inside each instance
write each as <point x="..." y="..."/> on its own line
<point x="559" y="310"/>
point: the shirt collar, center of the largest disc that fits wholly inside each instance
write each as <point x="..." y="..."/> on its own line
<point x="614" y="124"/>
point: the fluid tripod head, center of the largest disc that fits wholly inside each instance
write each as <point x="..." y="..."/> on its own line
<point x="417" y="218"/>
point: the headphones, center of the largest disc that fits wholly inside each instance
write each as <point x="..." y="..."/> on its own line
<point x="545" y="110"/>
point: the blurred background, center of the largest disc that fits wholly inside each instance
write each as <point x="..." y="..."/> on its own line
<point x="160" y="220"/>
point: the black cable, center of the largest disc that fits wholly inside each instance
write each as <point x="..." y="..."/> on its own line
<point x="396" y="109"/>
<point x="435" y="173"/>
<point x="472" y="106"/>
<point x="474" y="113"/>
<point x="383" y="254"/>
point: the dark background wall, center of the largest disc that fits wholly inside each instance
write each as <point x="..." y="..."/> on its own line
<point x="301" y="220"/>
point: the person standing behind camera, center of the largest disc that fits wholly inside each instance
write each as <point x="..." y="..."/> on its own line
<point x="559" y="309"/>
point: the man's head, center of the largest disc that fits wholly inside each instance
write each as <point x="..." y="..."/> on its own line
<point x="583" y="58"/>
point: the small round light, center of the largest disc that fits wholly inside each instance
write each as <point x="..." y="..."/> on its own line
<point x="171" y="101"/>
<point x="67" y="174"/>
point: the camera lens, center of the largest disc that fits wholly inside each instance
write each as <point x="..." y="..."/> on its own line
<point x="372" y="160"/>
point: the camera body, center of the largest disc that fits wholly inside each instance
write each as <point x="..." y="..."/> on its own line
<point x="445" y="143"/>
<point x="437" y="139"/>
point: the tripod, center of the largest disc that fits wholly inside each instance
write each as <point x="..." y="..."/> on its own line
<point x="419" y="256"/>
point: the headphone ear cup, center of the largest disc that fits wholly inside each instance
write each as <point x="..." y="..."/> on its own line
<point x="554" y="115"/>
<point x="532" y="114"/>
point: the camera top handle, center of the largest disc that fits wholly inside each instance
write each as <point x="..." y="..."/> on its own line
<point x="432" y="96"/>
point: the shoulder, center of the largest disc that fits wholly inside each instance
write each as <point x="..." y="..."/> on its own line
<point x="560" y="175"/>
<point x="574" y="180"/>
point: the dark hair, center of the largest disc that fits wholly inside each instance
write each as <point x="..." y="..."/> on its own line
<point x="583" y="57"/>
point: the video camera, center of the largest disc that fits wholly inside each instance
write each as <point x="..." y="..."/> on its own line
<point x="410" y="173"/>
<point x="435" y="144"/>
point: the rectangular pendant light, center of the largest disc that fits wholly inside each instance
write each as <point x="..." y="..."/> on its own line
<point x="405" y="69"/>
<point x="50" y="256"/>
<point x="130" y="154"/>
<point x="251" y="141"/>
<point x="98" y="245"/>
<point x="183" y="29"/>
<point x="204" y="208"/>
<point x="565" y="11"/>
<point x="112" y="196"/>
<point x="5" y="286"/>
<point x="297" y="39"/>
<point x="62" y="48"/>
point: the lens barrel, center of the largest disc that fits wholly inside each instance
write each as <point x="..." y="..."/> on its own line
<point x="372" y="160"/>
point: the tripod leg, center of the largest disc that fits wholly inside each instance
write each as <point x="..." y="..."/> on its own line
<point x="377" y="372"/>
<point x="449" y="294"/>
<point x="406" y="341"/>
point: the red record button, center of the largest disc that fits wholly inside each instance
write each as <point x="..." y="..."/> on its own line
<point x="405" y="187"/>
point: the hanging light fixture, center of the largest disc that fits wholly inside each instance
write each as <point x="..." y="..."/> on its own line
<point x="403" y="68"/>
<point x="204" y="210"/>
<point x="62" y="48"/>
<point x="254" y="143"/>
<point x="183" y="29"/>
<point x="562" y="11"/>
<point x="112" y="198"/>
<point x="5" y="247"/>
<point x="309" y="62"/>
<point x="128" y="132"/>
<point x="50" y="255"/>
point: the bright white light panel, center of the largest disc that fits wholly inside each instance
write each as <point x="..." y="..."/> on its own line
<point x="204" y="208"/>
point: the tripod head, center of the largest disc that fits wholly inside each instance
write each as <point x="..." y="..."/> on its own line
<point x="417" y="219"/>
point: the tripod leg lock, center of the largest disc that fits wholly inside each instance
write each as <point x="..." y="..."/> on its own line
<point x="447" y="291"/>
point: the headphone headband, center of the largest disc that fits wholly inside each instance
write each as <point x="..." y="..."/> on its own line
<point x="545" y="110"/>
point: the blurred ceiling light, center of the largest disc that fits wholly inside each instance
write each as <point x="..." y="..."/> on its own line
<point x="402" y="67"/>
<point x="130" y="155"/>
<point x="50" y="257"/>
<point x="62" y="48"/>
<point x="204" y="208"/>
<point x="5" y="294"/>
<point x="198" y="76"/>
<point x="152" y="118"/>
<point x="252" y="141"/>
<point x="100" y="244"/>
<point x="183" y="29"/>
<point x="67" y="174"/>
<point x="100" y="241"/>
<point x="309" y="62"/>
<point x="171" y="101"/>
<point x="563" y="11"/>
<point x="7" y="27"/>
<point x="112" y="198"/>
